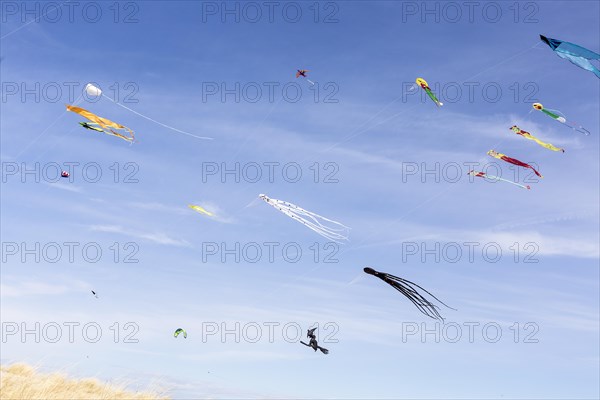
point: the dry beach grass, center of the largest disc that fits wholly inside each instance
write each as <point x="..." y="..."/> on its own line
<point x="20" y="381"/>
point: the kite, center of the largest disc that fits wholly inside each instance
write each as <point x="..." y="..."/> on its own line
<point x="529" y="136"/>
<point x="323" y="226"/>
<point x="496" y="178"/>
<point x="421" y="82"/>
<point x="578" y="55"/>
<point x="407" y="288"/>
<point x="514" y="161"/>
<point x="558" y="116"/>
<point x="313" y="341"/>
<point x="107" y="126"/>
<point x="64" y="174"/>
<point x="200" y="210"/>
<point x="94" y="293"/>
<point x="178" y="331"/>
<point x="93" y="91"/>
<point x="302" y="72"/>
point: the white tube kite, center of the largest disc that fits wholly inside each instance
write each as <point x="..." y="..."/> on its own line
<point x="497" y="178"/>
<point x="323" y="226"/>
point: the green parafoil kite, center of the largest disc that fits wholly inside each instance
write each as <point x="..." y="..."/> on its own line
<point x="178" y="331"/>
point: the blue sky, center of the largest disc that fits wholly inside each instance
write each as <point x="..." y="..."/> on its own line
<point x="374" y="135"/>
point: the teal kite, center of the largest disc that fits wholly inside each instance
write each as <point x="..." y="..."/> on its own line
<point x="578" y="55"/>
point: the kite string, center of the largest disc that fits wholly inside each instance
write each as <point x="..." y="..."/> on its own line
<point x="352" y="136"/>
<point x="502" y="62"/>
<point x="155" y="121"/>
<point x="56" y="143"/>
<point x="35" y="19"/>
<point x="247" y="138"/>
<point x="358" y="132"/>
<point x="348" y="138"/>
<point x="411" y="88"/>
<point x="405" y="110"/>
<point x="47" y="128"/>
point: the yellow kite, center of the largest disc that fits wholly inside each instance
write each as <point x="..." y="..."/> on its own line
<point x="103" y="123"/>
<point x="529" y="136"/>
<point x="200" y="210"/>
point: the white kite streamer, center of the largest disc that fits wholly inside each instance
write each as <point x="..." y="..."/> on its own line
<point x="323" y="226"/>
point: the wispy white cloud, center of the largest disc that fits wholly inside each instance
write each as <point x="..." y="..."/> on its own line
<point x="219" y="214"/>
<point x="556" y="218"/>
<point x="159" y="207"/>
<point x="249" y="355"/>
<point x="156" y="237"/>
<point x="550" y="242"/>
<point x="64" y="186"/>
<point x="37" y="288"/>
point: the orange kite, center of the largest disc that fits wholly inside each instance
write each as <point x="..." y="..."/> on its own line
<point x="104" y="123"/>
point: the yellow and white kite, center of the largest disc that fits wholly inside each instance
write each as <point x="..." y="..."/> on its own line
<point x="529" y="136"/>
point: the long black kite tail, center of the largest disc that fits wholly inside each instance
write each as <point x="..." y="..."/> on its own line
<point x="408" y="289"/>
